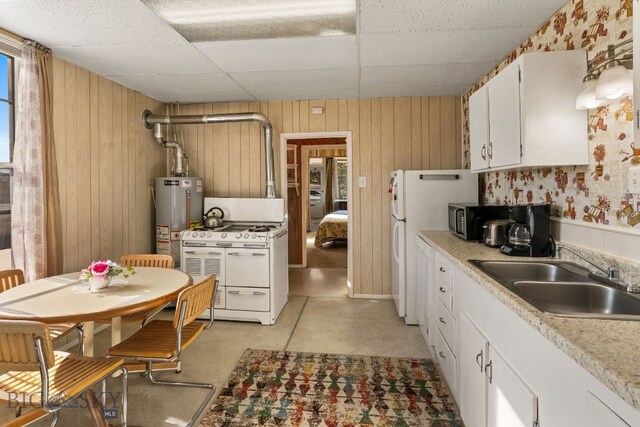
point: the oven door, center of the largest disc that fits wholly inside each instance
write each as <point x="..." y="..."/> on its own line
<point x="201" y="262"/>
<point x="247" y="267"/>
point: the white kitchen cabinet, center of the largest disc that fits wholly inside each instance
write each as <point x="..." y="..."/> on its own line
<point x="424" y="282"/>
<point x="599" y="414"/>
<point x="472" y="351"/>
<point x="490" y="392"/>
<point x="525" y="116"/>
<point x="510" y="402"/>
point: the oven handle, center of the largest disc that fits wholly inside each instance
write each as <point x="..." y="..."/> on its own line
<point x="245" y="254"/>
<point x="247" y="293"/>
<point x="202" y="253"/>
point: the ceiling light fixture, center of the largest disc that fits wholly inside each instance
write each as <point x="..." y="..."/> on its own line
<point x="609" y="77"/>
<point x="216" y="20"/>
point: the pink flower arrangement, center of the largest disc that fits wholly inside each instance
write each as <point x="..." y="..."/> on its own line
<point x="98" y="270"/>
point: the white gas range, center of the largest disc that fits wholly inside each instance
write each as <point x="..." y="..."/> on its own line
<point x="248" y="254"/>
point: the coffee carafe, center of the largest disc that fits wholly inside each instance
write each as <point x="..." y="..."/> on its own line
<point x="529" y="235"/>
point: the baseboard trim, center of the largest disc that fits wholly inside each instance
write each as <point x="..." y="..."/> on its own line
<point x="372" y="296"/>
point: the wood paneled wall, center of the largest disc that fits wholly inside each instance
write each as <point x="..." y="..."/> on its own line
<point x="106" y="161"/>
<point x="389" y="133"/>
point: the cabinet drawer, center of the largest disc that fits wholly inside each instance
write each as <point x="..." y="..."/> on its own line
<point x="443" y="271"/>
<point x="247" y="299"/>
<point x="247" y="267"/>
<point x="446" y="325"/>
<point x="444" y="295"/>
<point x="446" y="360"/>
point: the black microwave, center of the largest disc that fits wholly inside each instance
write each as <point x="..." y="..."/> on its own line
<point x="466" y="219"/>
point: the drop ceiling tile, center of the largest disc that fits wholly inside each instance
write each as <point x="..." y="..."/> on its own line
<point x="437" y="48"/>
<point x="298" y="79"/>
<point x="425" y="75"/>
<point x="140" y="60"/>
<point x="201" y="97"/>
<point x="86" y="23"/>
<point x="335" y="93"/>
<point x="404" y="16"/>
<point x="176" y="83"/>
<point x="391" y="92"/>
<point x="306" y="53"/>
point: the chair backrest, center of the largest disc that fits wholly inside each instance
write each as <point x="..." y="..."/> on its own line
<point x="147" y="260"/>
<point x="17" y="346"/>
<point x="10" y="279"/>
<point x="199" y="297"/>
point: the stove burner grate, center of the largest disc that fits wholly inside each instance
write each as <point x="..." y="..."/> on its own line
<point x="261" y="228"/>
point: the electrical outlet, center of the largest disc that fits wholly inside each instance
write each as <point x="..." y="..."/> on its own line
<point x="634" y="180"/>
<point x="362" y="181"/>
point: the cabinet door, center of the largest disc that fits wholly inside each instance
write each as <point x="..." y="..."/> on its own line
<point x="472" y="351"/>
<point x="599" y="414"/>
<point x="479" y="128"/>
<point x="511" y="403"/>
<point x="422" y="265"/>
<point x="504" y="118"/>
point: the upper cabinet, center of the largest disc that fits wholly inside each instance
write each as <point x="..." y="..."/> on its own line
<point x="526" y="116"/>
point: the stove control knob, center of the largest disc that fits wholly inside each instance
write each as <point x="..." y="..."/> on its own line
<point x="202" y="234"/>
<point x="254" y="235"/>
<point x="209" y="234"/>
<point x="194" y="234"/>
<point x="246" y="235"/>
<point x="239" y="236"/>
<point x="224" y="235"/>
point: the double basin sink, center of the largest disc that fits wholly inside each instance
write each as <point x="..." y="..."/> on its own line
<point x="563" y="289"/>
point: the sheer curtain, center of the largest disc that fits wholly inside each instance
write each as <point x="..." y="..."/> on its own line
<point x="35" y="211"/>
<point x="328" y="182"/>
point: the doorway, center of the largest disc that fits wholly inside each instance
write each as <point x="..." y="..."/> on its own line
<point x="316" y="173"/>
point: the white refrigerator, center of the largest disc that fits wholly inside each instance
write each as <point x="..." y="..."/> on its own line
<point x="419" y="201"/>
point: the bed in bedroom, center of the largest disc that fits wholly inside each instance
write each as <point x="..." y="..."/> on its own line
<point x="332" y="227"/>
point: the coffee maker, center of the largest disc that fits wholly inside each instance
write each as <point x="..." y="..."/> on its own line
<point x="529" y="235"/>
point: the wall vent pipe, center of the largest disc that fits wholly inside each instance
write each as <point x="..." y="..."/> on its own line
<point x="155" y="122"/>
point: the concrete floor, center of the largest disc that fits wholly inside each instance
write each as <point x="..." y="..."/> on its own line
<point x="308" y="324"/>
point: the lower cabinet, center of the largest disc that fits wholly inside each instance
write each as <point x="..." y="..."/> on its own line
<point x="599" y="414"/>
<point x="490" y="392"/>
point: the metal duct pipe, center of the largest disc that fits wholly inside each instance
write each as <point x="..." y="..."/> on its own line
<point x="155" y="121"/>
<point x="158" y="136"/>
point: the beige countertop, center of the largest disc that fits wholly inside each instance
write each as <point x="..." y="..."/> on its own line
<point x="608" y="349"/>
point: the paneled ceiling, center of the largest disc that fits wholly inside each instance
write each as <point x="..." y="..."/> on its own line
<point x="244" y="50"/>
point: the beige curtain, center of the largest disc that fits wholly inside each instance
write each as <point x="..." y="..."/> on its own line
<point x="36" y="228"/>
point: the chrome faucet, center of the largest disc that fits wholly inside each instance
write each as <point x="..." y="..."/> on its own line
<point x="610" y="274"/>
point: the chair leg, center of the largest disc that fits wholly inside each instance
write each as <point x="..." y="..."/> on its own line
<point x="203" y="405"/>
<point x="54" y="421"/>
<point x="125" y="398"/>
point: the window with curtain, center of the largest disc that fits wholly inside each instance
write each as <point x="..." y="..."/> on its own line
<point x="341" y="173"/>
<point x="7" y="122"/>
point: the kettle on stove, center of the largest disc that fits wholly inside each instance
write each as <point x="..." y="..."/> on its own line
<point x="210" y="220"/>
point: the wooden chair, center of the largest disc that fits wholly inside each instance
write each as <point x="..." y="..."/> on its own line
<point x="143" y="260"/>
<point x="15" y="277"/>
<point x="45" y="379"/>
<point x="164" y="340"/>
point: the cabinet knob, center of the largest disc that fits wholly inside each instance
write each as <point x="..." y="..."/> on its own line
<point x="479" y="361"/>
<point x="441" y="354"/>
<point x="488" y="370"/>
<point x="442" y="321"/>
<point x="442" y="269"/>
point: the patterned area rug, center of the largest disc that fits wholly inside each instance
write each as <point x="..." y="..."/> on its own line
<point x="274" y="388"/>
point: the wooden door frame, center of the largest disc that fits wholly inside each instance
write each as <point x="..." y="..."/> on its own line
<point x="347" y="135"/>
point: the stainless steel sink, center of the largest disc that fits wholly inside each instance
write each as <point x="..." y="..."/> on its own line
<point x="563" y="289"/>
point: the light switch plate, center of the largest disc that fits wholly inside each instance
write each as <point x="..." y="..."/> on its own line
<point x="362" y="181"/>
<point x="634" y="180"/>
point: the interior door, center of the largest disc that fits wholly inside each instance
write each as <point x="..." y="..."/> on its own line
<point x="398" y="266"/>
<point x="479" y="128"/>
<point x="504" y="118"/>
<point x="511" y="403"/>
<point x="472" y="353"/>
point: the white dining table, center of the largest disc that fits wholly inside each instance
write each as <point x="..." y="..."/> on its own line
<point x="65" y="299"/>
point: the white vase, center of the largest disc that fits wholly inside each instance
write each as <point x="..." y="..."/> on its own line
<point x="101" y="283"/>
